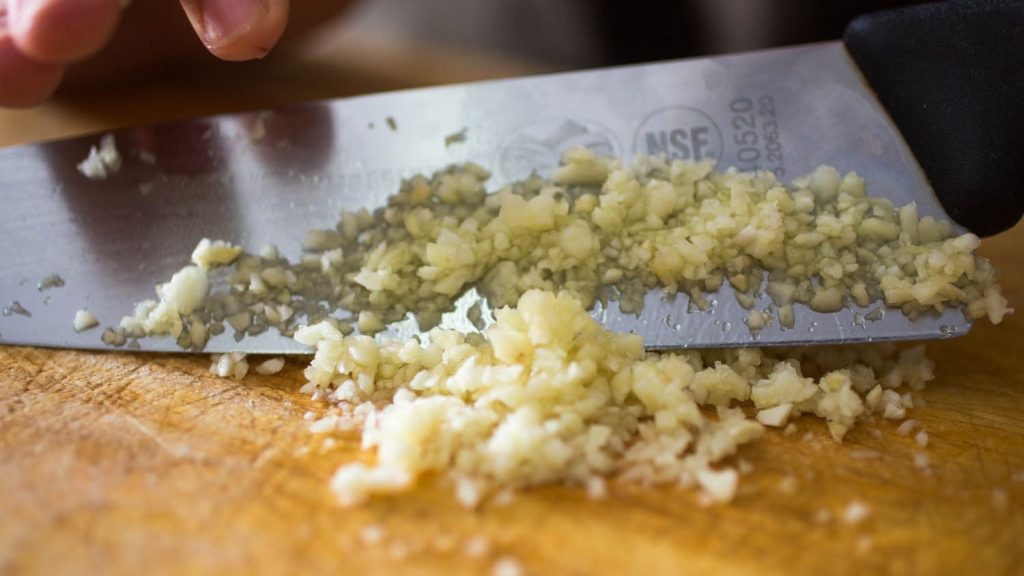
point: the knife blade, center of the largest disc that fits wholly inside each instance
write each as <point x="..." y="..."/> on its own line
<point x="263" y="177"/>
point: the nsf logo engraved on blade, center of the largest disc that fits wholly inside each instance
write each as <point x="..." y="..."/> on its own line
<point x="679" y="133"/>
<point x="538" y="147"/>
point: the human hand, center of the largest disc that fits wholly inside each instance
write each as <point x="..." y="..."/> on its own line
<point x="39" y="38"/>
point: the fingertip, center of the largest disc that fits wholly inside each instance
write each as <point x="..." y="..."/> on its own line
<point x="238" y="30"/>
<point x="23" y="82"/>
<point x="62" y="31"/>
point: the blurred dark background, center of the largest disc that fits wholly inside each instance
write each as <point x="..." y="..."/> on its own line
<point x="155" y="69"/>
<point x="586" y="33"/>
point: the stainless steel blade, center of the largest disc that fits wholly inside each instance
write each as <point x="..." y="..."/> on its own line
<point x="265" y="177"/>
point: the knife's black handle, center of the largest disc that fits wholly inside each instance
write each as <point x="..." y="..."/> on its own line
<point x="951" y="75"/>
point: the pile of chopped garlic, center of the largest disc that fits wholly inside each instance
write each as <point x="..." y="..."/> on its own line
<point x="681" y="226"/>
<point x="596" y="230"/>
<point x="548" y="395"/>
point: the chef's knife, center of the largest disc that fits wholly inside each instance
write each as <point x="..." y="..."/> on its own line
<point x="924" y="102"/>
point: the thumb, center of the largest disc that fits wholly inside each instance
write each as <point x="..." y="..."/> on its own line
<point x="237" y="29"/>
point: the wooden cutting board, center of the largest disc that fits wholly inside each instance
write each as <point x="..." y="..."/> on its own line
<point x="120" y="463"/>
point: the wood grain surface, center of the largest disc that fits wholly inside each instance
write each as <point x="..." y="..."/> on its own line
<point x="114" y="463"/>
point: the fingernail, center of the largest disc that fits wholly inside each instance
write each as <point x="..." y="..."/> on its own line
<point x="17" y="10"/>
<point x="226" y="19"/>
<point x="22" y="13"/>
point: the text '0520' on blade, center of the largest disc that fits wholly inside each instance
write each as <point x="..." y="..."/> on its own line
<point x="266" y="177"/>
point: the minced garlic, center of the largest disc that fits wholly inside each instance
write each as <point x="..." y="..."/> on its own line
<point x="856" y="512"/>
<point x="209" y="253"/>
<point x="231" y="365"/>
<point x="507" y="566"/>
<point x="550" y="395"/>
<point x="84" y="320"/>
<point x="183" y="294"/>
<point x="546" y="394"/>
<point x="270" y="366"/>
<point x="102" y="161"/>
<point x="598" y="229"/>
